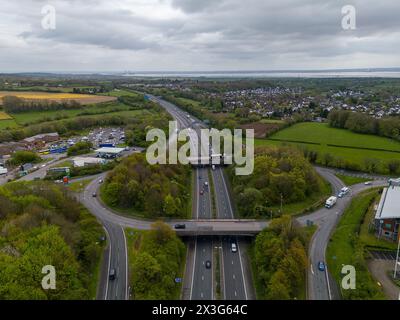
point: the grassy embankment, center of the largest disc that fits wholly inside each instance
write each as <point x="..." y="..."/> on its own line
<point x="349" y="244"/>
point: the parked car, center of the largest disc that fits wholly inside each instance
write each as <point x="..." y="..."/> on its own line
<point x="321" y="266"/>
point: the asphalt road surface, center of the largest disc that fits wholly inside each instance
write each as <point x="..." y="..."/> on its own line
<point x="202" y="278"/>
<point x="202" y="282"/>
<point x="320" y="284"/>
<point x="234" y="287"/>
<point x="116" y="289"/>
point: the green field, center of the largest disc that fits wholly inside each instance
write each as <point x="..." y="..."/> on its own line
<point x="349" y="180"/>
<point x="25" y="118"/>
<point x="340" y="143"/>
<point x="120" y="93"/>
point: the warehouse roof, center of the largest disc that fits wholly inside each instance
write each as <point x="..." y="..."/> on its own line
<point x="389" y="205"/>
<point x="110" y="150"/>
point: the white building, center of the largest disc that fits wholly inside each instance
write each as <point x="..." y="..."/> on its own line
<point x="84" y="161"/>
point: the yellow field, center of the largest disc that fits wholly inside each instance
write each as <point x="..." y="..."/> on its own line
<point x="4" y="116"/>
<point x="59" y="97"/>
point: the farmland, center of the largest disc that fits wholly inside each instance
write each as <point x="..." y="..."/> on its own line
<point x="341" y="144"/>
<point x="58" y="97"/>
<point x="4" y="116"/>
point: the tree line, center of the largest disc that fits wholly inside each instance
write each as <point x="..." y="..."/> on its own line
<point x="280" y="261"/>
<point x="135" y="126"/>
<point x="157" y="258"/>
<point x="153" y="190"/>
<point x="362" y="123"/>
<point x="42" y="224"/>
<point x="280" y="174"/>
<point x="12" y="104"/>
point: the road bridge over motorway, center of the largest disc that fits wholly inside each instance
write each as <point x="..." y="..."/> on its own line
<point x="231" y="227"/>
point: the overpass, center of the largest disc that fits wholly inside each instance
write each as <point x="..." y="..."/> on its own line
<point x="217" y="159"/>
<point x="231" y="227"/>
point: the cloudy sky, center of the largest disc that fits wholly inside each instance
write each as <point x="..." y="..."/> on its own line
<point x="197" y="35"/>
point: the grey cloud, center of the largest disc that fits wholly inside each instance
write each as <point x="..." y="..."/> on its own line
<point x="202" y="34"/>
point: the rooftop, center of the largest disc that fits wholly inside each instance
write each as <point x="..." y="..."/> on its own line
<point x="389" y="205"/>
<point x="110" y="150"/>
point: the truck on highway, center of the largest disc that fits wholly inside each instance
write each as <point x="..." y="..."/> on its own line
<point x="330" y="202"/>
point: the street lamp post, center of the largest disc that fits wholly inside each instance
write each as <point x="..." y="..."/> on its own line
<point x="397" y="256"/>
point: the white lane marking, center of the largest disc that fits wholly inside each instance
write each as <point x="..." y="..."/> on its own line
<point x="126" y="267"/>
<point x="223" y="269"/>
<point x="109" y="262"/>
<point x="312" y="270"/>
<point x="235" y="293"/>
<point x="194" y="266"/>
<point x="327" y="281"/>
<point x="233" y="276"/>
<point x="202" y="278"/>
<point x="212" y="270"/>
<point x="241" y="268"/>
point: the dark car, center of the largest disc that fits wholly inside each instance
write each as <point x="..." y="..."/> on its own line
<point x="208" y="264"/>
<point x="180" y="226"/>
<point x="321" y="266"/>
<point x="112" y="274"/>
<point x="201" y="192"/>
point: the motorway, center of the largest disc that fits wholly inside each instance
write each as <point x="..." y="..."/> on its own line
<point x="201" y="278"/>
<point x="233" y="286"/>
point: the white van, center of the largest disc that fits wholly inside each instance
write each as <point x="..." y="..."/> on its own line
<point x="234" y="247"/>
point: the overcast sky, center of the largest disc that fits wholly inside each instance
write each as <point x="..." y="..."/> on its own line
<point x="197" y="35"/>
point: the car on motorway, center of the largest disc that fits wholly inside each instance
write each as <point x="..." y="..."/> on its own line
<point x="205" y="183"/>
<point x="208" y="264"/>
<point x="368" y="183"/>
<point x="101" y="181"/>
<point x="94" y="194"/>
<point x="321" y="266"/>
<point x="112" y="275"/>
<point x="233" y="247"/>
<point x="201" y="192"/>
<point x="180" y="226"/>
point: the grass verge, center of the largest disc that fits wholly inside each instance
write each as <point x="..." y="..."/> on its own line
<point x="346" y="248"/>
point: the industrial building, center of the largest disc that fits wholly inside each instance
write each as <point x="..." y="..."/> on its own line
<point x="387" y="216"/>
<point x="109" y="153"/>
<point x="85" y="161"/>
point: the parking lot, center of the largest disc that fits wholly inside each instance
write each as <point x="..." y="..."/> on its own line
<point x="384" y="255"/>
<point x="98" y="136"/>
